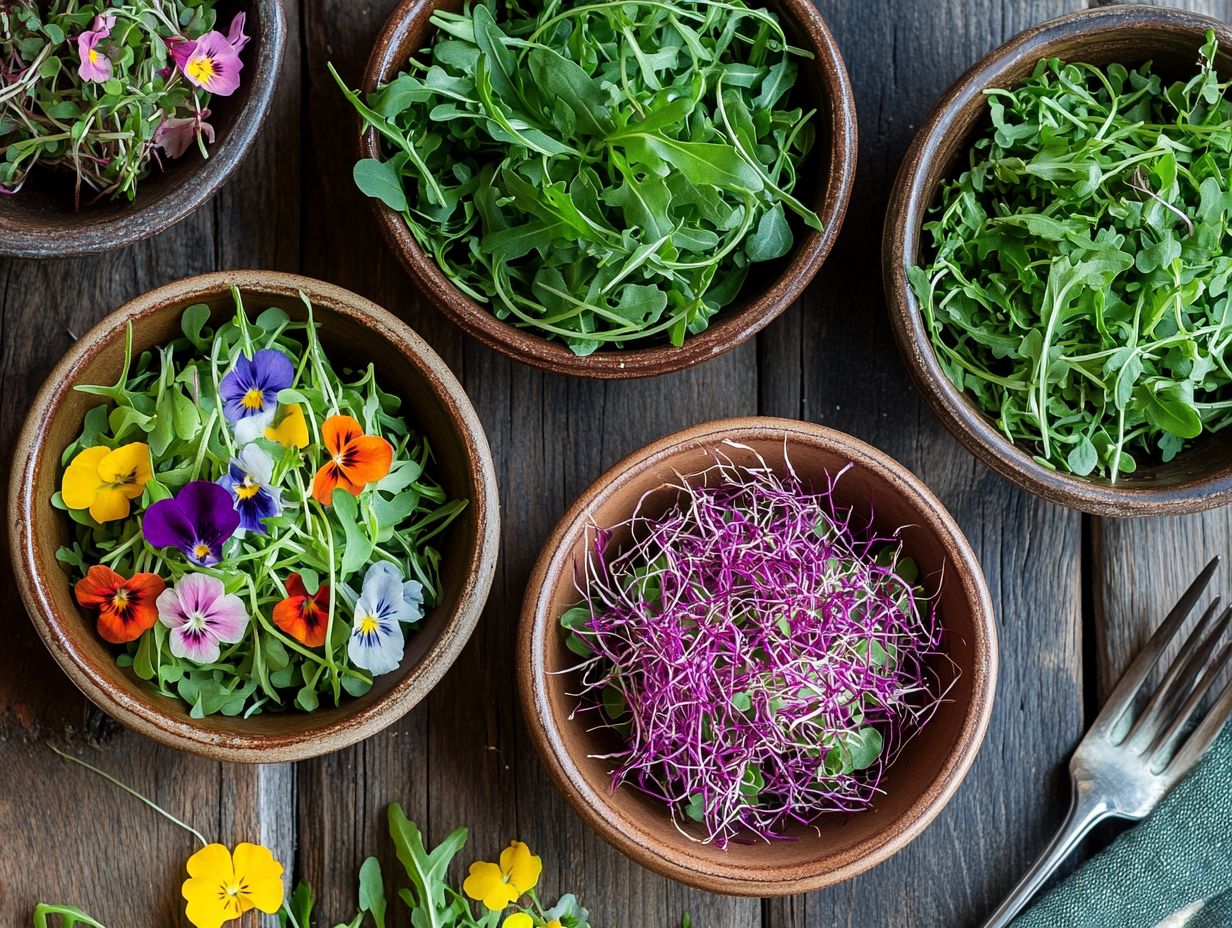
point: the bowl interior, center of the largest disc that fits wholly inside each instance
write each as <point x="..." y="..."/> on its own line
<point x="45" y="207"/>
<point x="920" y="775"/>
<point x="1130" y="36"/>
<point x="824" y="184"/>
<point x="350" y="341"/>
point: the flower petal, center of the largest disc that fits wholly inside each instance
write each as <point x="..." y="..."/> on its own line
<point x="378" y="649"/>
<point x="522" y="866"/>
<point x="518" y="920"/>
<point x="81" y="480"/>
<point x="196" y="645"/>
<point x="485" y="883"/>
<point x="165" y="524"/>
<point x="128" y="466"/>
<point x="227" y="618"/>
<point x="209" y="510"/>
<point x="338" y="432"/>
<point x="253" y="426"/>
<point x="209" y="906"/>
<point x="289" y="428"/>
<point x="261" y="875"/>
<point x="110" y="504"/>
<point x="212" y="862"/>
<point x="98" y="586"/>
<point x="367" y="459"/>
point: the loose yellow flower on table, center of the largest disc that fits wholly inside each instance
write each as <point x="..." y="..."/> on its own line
<point x="499" y="886"/>
<point x="222" y="886"/>
<point x="104" y="481"/>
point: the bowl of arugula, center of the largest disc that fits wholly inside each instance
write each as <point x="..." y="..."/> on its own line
<point x="1057" y="255"/>
<point x="608" y="191"/>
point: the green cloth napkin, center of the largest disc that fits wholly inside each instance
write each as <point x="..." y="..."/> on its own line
<point x="1181" y="853"/>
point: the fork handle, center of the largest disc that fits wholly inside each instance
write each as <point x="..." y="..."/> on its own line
<point x="1085" y="812"/>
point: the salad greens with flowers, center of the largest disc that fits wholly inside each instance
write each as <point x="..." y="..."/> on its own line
<point x="253" y="525"/>
<point x="107" y="89"/>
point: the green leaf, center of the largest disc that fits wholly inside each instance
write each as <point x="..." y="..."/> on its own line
<point x="1171" y="411"/>
<point x="773" y="237"/>
<point x="372" y="891"/>
<point x="379" y="179"/>
<point x="357" y="546"/>
<point x="704" y="163"/>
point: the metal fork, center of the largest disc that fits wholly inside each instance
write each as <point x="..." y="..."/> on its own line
<point x="1129" y="760"/>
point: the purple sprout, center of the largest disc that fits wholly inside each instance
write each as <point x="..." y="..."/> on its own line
<point x="761" y="659"/>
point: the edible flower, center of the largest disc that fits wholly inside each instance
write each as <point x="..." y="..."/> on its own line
<point x="499" y="886"/>
<point x="126" y="608"/>
<point x="355" y="459"/>
<point x="289" y="428"/>
<point x="250" y="391"/>
<point x="104" y="481"/>
<point x="198" y="521"/>
<point x="386" y="601"/>
<point x="301" y="616"/>
<point x="248" y="479"/>
<point x="175" y="135"/>
<point x="235" y="35"/>
<point x="222" y="886"/>
<point x="95" y="66"/>
<point x="201" y="614"/>
<point x="520" y="920"/>
<point x="210" y="62"/>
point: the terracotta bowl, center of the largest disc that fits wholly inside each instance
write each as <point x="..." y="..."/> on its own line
<point x="826" y="179"/>
<point x="354" y="330"/>
<point x="917" y="785"/>
<point x="41" y="221"/>
<point x="1198" y="478"/>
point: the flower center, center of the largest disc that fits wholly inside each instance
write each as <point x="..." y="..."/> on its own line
<point x="368" y="624"/>
<point x="201" y="551"/>
<point x="93" y="56"/>
<point x="120" y="599"/>
<point x="248" y="489"/>
<point x="254" y="398"/>
<point x="202" y="71"/>
<point x="195" y="623"/>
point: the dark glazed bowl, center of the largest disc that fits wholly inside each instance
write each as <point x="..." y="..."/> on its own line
<point x="1198" y="478"/>
<point x="353" y="329"/>
<point x="917" y="786"/>
<point x="41" y="221"/>
<point x="770" y="289"/>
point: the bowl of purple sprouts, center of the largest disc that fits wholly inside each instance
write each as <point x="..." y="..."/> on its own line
<point x="758" y="656"/>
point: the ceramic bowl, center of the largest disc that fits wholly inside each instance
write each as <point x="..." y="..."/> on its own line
<point x="351" y="328"/>
<point x="827" y="177"/>
<point x="916" y="786"/>
<point x="1198" y="478"/>
<point x="41" y="220"/>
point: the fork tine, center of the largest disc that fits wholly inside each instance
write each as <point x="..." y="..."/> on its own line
<point x="1166" y="739"/>
<point x="1181" y="675"/>
<point x="1208" y="730"/>
<point x="1122" y="698"/>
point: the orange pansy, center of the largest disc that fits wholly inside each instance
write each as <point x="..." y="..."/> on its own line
<point x="301" y="616"/>
<point x="127" y="609"/>
<point x="355" y="459"/>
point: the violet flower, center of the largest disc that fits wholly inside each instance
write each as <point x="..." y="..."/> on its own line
<point x="211" y="62"/>
<point x="235" y="35"/>
<point x="177" y="134"/>
<point x="95" y="65"/>
<point x="201" y="616"/>
<point x="386" y="603"/>
<point x="249" y="392"/>
<point x="249" y="480"/>
<point x="198" y="521"/>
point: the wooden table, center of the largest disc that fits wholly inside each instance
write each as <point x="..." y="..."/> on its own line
<point x="1075" y="596"/>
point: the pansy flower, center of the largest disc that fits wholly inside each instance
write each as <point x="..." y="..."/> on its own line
<point x="301" y="616"/>
<point x="289" y="427"/>
<point x="386" y="601"/>
<point x="249" y="481"/>
<point x="126" y="607"/>
<point x="222" y="886"/>
<point x="250" y="391"/>
<point x="198" y="521"/>
<point x="235" y="35"/>
<point x="201" y="616"/>
<point x="104" y="481"/>
<point x="95" y="66"/>
<point x="176" y="134"/>
<point x="498" y="886"/>
<point x="355" y="459"/>
<point x="211" y="62"/>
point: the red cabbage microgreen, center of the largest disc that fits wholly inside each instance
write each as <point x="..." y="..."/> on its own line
<point x="760" y="651"/>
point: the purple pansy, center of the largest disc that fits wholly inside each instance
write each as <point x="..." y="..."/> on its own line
<point x="249" y="480"/>
<point x="211" y="62"/>
<point x="95" y="65"/>
<point x="198" y="521"/>
<point x="250" y="391"/>
<point x="201" y="616"/>
<point x="235" y="35"/>
<point x="177" y="134"/>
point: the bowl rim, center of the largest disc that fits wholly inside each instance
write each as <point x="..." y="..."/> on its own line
<point x="200" y="183"/>
<point x="57" y="632"/>
<point x="536" y="625"/>
<point x="726" y="332"/>
<point x="901" y="237"/>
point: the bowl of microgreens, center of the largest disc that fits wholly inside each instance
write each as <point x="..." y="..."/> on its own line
<point x="608" y="191"/>
<point x="1057" y="255"/>
<point x="118" y="118"/>
<point x="254" y="516"/>
<point x="757" y="656"/>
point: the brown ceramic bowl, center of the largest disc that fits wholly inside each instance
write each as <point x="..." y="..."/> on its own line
<point x="1200" y="477"/>
<point x="353" y="329"/>
<point x="41" y="221"/>
<point x="917" y="785"/>
<point x="826" y="179"/>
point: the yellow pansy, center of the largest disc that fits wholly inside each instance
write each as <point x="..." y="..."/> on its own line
<point x="289" y="428"/>
<point x="553" y="924"/>
<point x="499" y="886"/>
<point x="520" y="920"/>
<point x="103" y="480"/>
<point x="222" y="886"/>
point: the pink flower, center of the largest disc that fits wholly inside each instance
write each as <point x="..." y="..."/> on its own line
<point x="211" y="62"/>
<point x="201" y="615"/>
<point x="235" y="35"/>
<point x="177" y="134"/>
<point x="95" y="65"/>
